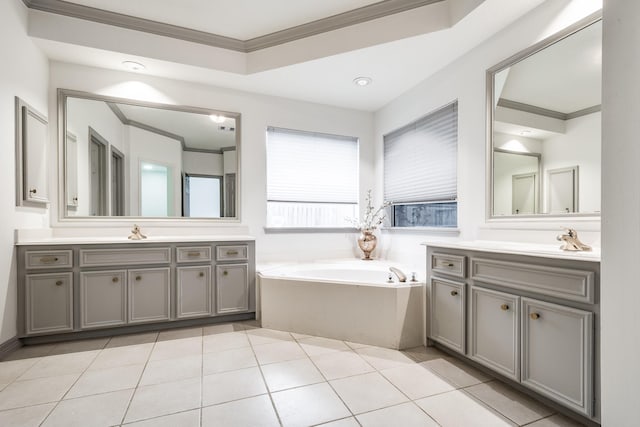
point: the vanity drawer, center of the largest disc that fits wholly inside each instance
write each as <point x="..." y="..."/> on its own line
<point x="569" y="284"/>
<point x="452" y="265"/>
<point x="48" y="259"/>
<point x="193" y="254"/>
<point x="128" y="256"/>
<point x="232" y="253"/>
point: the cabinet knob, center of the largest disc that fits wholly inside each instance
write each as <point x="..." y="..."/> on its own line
<point x="48" y="259"/>
<point x="449" y="264"/>
<point x="504" y="307"/>
<point x="59" y="283"/>
<point x="201" y="274"/>
<point x="225" y="273"/>
<point x="138" y="278"/>
<point x="32" y="191"/>
<point x="454" y="293"/>
<point x="115" y="280"/>
<point x="534" y="316"/>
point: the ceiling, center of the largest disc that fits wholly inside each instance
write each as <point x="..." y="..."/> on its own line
<point x="397" y="50"/>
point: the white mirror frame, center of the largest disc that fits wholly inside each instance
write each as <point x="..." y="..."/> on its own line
<point x="490" y="90"/>
<point x="64" y="220"/>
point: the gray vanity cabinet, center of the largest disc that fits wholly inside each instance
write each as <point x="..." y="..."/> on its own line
<point x="232" y="288"/>
<point x="103" y="298"/>
<point x="494" y="333"/>
<point x="194" y="291"/>
<point x="149" y="295"/>
<point x="448" y="302"/>
<point x="557" y="353"/>
<point x="49" y="305"/>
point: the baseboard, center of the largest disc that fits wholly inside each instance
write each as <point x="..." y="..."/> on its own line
<point x="9" y="346"/>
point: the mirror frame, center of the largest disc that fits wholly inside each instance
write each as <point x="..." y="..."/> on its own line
<point x="63" y="94"/>
<point x="490" y="90"/>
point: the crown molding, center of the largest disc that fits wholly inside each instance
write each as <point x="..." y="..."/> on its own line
<point x="353" y="17"/>
<point x="528" y="108"/>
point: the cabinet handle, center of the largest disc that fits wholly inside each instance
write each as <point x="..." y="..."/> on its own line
<point x="504" y="307"/>
<point x="534" y="316"/>
<point x="59" y="283"/>
<point x="201" y="274"/>
<point x="454" y="293"/>
<point x="449" y="264"/>
<point x="232" y="252"/>
<point x="225" y="273"/>
<point x="115" y="280"/>
<point x="192" y="254"/>
<point x="138" y="278"/>
<point x="48" y="259"/>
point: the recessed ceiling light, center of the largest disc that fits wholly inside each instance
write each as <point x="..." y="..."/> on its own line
<point x="133" y="66"/>
<point x="525" y="132"/>
<point x="217" y="119"/>
<point x="362" y="81"/>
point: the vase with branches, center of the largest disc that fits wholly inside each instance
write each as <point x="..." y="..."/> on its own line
<point x="368" y="224"/>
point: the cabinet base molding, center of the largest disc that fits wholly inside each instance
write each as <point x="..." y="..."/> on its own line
<point x="515" y="385"/>
<point x="9" y="346"/>
<point x="132" y="329"/>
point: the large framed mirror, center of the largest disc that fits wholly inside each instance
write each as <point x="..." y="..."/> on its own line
<point x="543" y="127"/>
<point x="124" y="158"/>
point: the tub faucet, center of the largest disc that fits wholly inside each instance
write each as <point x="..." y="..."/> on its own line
<point x="400" y="274"/>
<point x="571" y="241"/>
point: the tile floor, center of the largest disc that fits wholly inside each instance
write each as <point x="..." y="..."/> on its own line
<point x="240" y="375"/>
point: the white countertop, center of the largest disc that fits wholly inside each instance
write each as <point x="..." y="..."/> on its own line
<point x="518" y="248"/>
<point x="123" y="239"/>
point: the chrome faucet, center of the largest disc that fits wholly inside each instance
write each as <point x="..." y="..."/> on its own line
<point x="400" y="274"/>
<point x="571" y="241"/>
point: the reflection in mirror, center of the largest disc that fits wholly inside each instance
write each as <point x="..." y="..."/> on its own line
<point x="544" y="126"/>
<point x="150" y="160"/>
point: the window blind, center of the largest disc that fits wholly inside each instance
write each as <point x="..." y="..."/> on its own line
<point x="311" y="167"/>
<point x="420" y="159"/>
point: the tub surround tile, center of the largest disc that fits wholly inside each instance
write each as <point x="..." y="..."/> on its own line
<point x="293" y="373"/>
<point x="416" y="381"/>
<point x="228" y="360"/>
<point x="314" y="346"/>
<point x="181" y="419"/>
<point x="309" y="405"/>
<point x="106" y="380"/>
<point x="224" y="341"/>
<point x="164" y="399"/>
<point x="278" y="352"/>
<point x="363" y="393"/>
<point x="405" y="415"/>
<point x="227" y="386"/>
<point x="169" y="370"/>
<point x="91" y="411"/>
<point x="251" y="412"/>
<point x="341" y="364"/>
<point x="457" y="408"/>
<point x="31" y="416"/>
<point x="35" y="392"/>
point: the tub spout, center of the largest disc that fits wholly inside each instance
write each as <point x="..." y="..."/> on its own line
<point x="400" y="274"/>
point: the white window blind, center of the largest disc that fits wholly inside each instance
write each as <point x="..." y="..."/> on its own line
<point x="311" y="167"/>
<point x="420" y="159"/>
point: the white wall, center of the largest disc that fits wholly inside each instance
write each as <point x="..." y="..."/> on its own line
<point x="203" y="163"/>
<point x="258" y="112"/>
<point x="620" y="292"/>
<point x="464" y="80"/>
<point x="24" y="73"/>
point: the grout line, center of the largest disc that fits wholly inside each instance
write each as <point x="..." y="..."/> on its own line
<point x="201" y="374"/>
<point x="264" y="380"/>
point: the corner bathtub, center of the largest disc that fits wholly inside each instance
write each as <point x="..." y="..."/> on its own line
<point x="349" y="301"/>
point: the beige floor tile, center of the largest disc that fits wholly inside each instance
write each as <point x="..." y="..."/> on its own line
<point x="228" y="360"/>
<point x="514" y="405"/>
<point x="233" y="385"/>
<point x="268" y="336"/>
<point x="455" y="372"/>
<point x="222" y="328"/>
<point x="177" y="334"/>
<point x="35" y="392"/>
<point x="252" y="412"/>
<point x="181" y="419"/>
<point x="79" y="346"/>
<point x="122" y="356"/>
<point x="106" y="380"/>
<point x="355" y="345"/>
<point x="164" y="399"/>
<point x="30" y="416"/>
<point x="405" y="415"/>
<point x="315" y="345"/>
<point x="11" y="370"/>
<point x="169" y="370"/>
<point x="298" y="336"/>
<point x="62" y="364"/>
<point x="556" y="420"/>
<point x="278" y="352"/>
<point x="101" y="410"/>
<point x="293" y="373"/>
<point x="224" y="341"/>
<point x="30" y="351"/>
<point x="345" y="422"/>
<point x="422" y="353"/>
<point x="3" y="385"/>
<point x="384" y="358"/>
<point x="176" y="348"/>
<point x="309" y="405"/>
<point x="457" y="408"/>
<point x="367" y="392"/>
<point x="341" y="364"/>
<point x="132" y="339"/>
<point x="415" y="381"/>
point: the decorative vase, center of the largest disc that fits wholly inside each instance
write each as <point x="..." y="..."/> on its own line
<point x="367" y="242"/>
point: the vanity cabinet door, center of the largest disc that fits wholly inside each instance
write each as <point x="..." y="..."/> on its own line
<point x="49" y="300"/>
<point x="149" y="291"/>
<point x="448" y="313"/>
<point x="194" y="291"/>
<point x="232" y="288"/>
<point x="103" y="298"/>
<point x="557" y="353"/>
<point x="494" y="331"/>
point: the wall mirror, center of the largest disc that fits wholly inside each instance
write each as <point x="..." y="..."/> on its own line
<point x="125" y="158"/>
<point x="543" y="126"/>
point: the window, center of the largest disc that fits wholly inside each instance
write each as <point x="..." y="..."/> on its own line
<point x="312" y="179"/>
<point x="420" y="171"/>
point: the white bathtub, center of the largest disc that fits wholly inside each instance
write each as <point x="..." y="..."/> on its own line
<point x="350" y="301"/>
